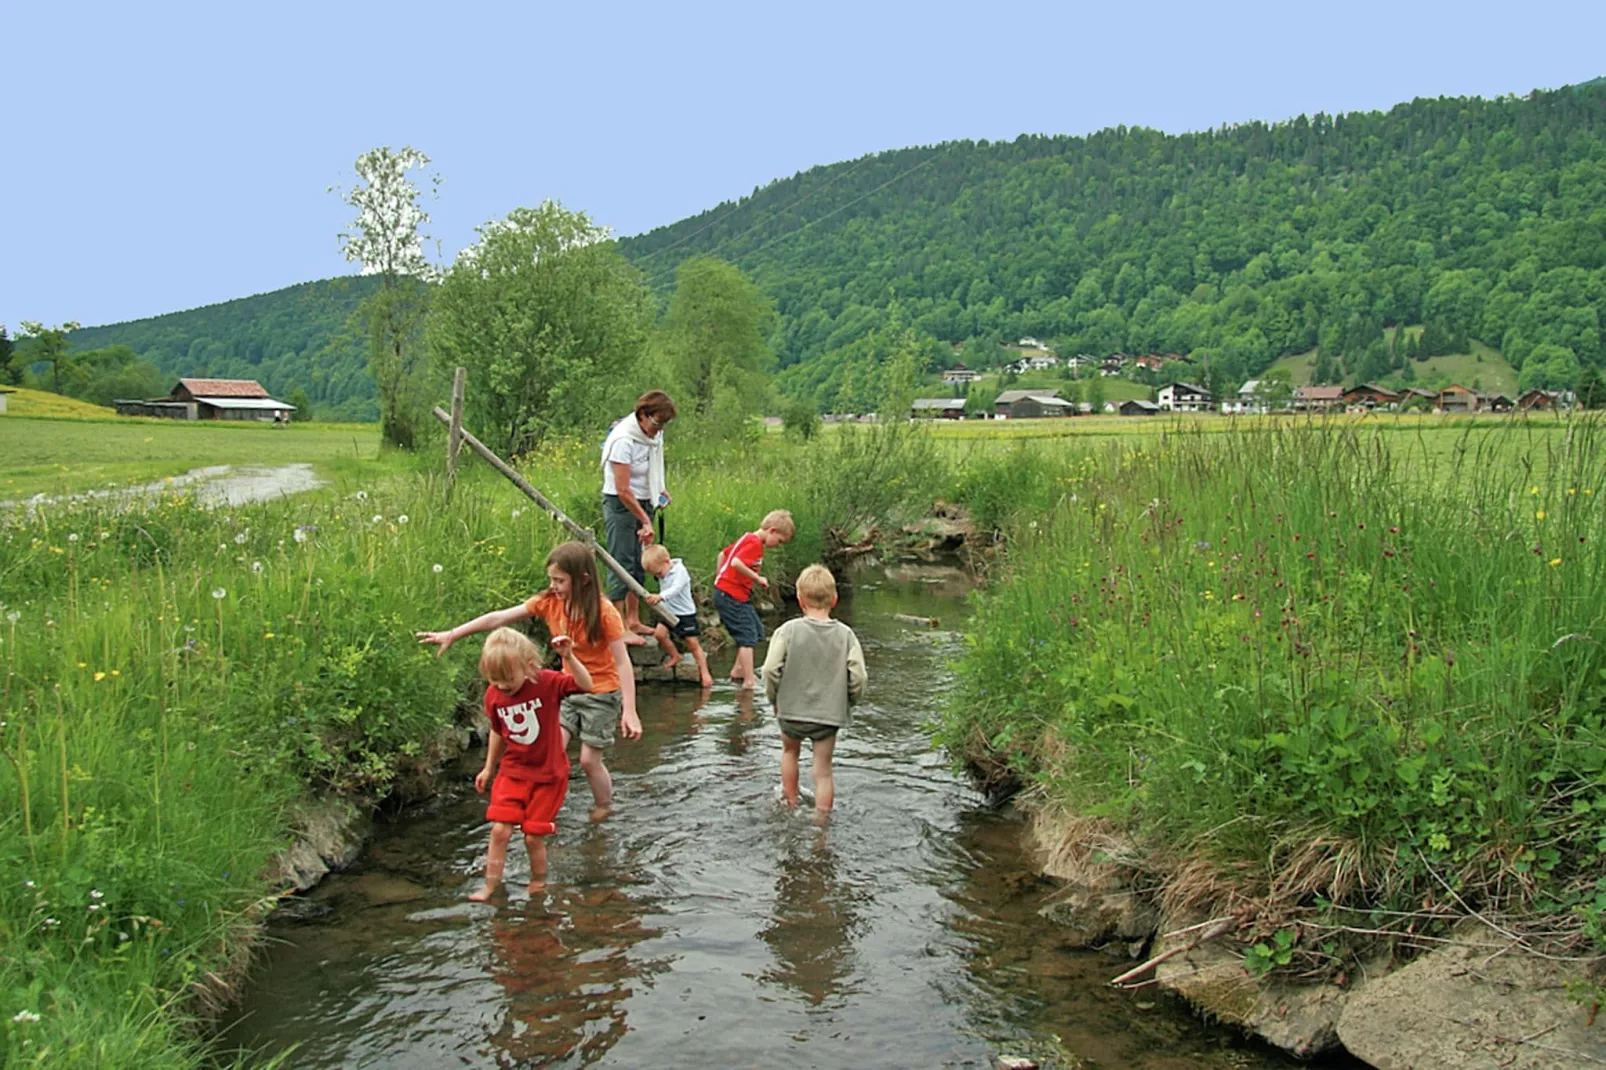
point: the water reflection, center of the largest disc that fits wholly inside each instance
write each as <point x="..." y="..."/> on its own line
<point x="812" y="924"/>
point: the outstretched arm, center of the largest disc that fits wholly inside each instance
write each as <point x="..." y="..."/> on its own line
<point x="486" y="622"/>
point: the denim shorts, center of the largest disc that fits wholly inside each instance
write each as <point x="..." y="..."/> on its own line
<point x="739" y="618"/>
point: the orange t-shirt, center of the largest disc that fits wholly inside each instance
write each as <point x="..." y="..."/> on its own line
<point x="593" y="654"/>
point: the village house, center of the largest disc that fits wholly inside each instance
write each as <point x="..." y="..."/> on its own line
<point x="1112" y="364"/>
<point x="1184" y="397"/>
<point x="1534" y="400"/>
<point x="1247" y="401"/>
<point x="1134" y="407"/>
<point x="938" y="408"/>
<point x="1031" y="405"/>
<point x="1369" y="396"/>
<point x="959" y="375"/>
<point x="1041" y="363"/>
<point x="1150" y="361"/>
<point x="1416" y="396"/>
<point x="1080" y="361"/>
<point x="4" y="390"/>
<point x="1031" y="343"/>
<point x="211" y="399"/>
<point x="1458" y="399"/>
<point x="1317" y="398"/>
<point x="1496" y="403"/>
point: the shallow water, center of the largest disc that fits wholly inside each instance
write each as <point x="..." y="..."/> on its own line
<point x="217" y="484"/>
<point x="701" y="924"/>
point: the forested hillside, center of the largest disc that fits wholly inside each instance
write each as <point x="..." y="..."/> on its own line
<point x="1484" y="219"/>
<point x="302" y="336"/>
<point x="1481" y="220"/>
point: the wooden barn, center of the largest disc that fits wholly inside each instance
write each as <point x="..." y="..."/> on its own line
<point x="938" y="408"/>
<point x="212" y="399"/>
<point x="1031" y="405"/>
<point x="1371" y="396"/>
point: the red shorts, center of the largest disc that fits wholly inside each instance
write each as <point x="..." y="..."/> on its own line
<point x="531" y="806"/>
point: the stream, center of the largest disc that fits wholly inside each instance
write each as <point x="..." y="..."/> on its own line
<point x="702" y="924"/>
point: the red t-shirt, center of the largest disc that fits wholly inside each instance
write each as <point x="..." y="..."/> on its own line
<point x="528" y="720"/>
<point x="749" y="550"/>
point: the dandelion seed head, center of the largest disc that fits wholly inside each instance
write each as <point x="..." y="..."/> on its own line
<point x="219" y="593"/>
<point x="378" y="519"/>
<point x="437" y="569"/>
<point x="240" y="539"/>
<point x="402" y="519"/>
<point x="73" y="537"/>
<point x="256" y="566"/>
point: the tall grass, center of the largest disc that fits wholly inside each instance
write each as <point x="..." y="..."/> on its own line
<point x="1353" y="669"/>
<point x="175" y="678"/>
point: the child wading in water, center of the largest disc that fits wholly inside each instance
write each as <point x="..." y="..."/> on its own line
<point x="674" y="591"/>
<point x="573" y="606"/>
<point x="813" y="673"/>
<point x="526" y="766"/>
<point x="733" y="589"/>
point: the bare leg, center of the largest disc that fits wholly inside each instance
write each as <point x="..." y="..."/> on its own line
<point x="695" y="645"/>
<point x="744" y="676"/>
<point x="633" y="626"/>
<point x="536" y="845"/>
<point x="661" y="633"/>
<point x="596" y="775"/>
<point x="495" y="860"/>
<point x="790" y="749"/>
<point x="824" y="782"/>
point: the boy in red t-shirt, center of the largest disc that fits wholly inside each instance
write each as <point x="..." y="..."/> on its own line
<point x="733" y="589"/>
<point x="522" y="701"/>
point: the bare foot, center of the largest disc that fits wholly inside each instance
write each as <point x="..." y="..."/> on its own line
<point x="822" y="818"/>
<point x="639" y="628"/>
<point x="747" y="685"/>
<point x="486" y="892"/>
<point x="600" y="813"/>
<point x="706" y="682"/>
<point x="672" y="660"/>
<point x="635" y="639"/>
<point x="537" y="887"/>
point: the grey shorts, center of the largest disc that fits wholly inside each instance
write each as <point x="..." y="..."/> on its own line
<point x="620" y="526"/>
<point x="810" y="731"/>
<point x="592" y="716"/>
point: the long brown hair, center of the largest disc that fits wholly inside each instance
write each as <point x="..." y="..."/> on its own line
<point x="574" y="560"/>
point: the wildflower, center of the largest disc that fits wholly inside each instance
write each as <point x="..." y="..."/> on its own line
<point x="83" y="664"/>
<point x="437" y="569"/>
<point x="51" y="923"/>
<point x="361" y="495"/>
<point x="256" y="566"/>
<point x="267" y="635"/>
<point x="219" y="593"/>
<point x="517" y="513"/>
<point x="301" y="534"/>
<point x="378" y="519"/>
<point x="240" y="539"/>
<point x="1571" y="491"/>
<point x="1533" y="490"/>
<point x="94" y="906"/>
<point x="73" y="537"/>
<point x="13" y="616"/>
<point x="1540" y="515"/>
<point x="24" y="1016"/>
<point x="402" y="519"/>
<point x="222" y="547"/>
<point x="1554" y="561"/>
<point x="99" y="676"/>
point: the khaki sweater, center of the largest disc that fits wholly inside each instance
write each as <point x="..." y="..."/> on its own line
<point x="814" y="671"/>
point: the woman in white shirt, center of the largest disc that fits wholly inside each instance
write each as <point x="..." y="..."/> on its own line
<point x="632" y="492"/>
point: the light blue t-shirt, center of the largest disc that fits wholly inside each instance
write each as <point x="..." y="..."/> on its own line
<point x="675" y="589"/>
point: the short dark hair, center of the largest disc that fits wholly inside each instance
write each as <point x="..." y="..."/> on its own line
<point x="656" y="404"/>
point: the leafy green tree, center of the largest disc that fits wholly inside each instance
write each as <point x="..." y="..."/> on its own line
<point x="298" y="397"/>
<point x="714" y="338"/>
<point x="387" y="239"/>
<point x="48" y="345"/>
<point x="1323" y="372"/>
<point x="800" y="419"/>
<point x="549" y="320"/>
<point x="1590" y="390"/>
<point x="1549" y="367"/>
<point x="1095" y="393"/>
<point x="8" y="374"/>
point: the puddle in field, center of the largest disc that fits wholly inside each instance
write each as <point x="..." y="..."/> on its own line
<point x="702" y="925"/>
<point x="218" y="484"/>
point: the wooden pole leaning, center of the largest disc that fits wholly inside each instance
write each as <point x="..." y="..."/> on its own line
<point x="585" y="535"/>
<point x="454" y="436"/>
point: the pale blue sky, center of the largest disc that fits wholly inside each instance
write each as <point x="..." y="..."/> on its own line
<point x="171" y="155"/>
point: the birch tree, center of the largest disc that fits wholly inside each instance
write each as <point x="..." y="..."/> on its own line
<point x="387" y="238"/>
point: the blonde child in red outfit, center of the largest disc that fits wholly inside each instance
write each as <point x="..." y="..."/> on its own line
<point x="526" y="763"/>
<point x="572" y="606"/>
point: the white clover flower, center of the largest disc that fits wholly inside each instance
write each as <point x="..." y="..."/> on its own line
<point x="256" y="566"/>
<point x="24" y="1016"/>
<point x="222" y="547"/>
<point x="402" y="519"/>
<point x="219" y="593"/>
<point x="105" y="535"/>
<point x="94" y="906"/>
<point x="96" y="893"/>
<point x="437" y="568"/>
<point x="241" y="539"/>
<point x="29" y="884"/>
<point x="301" y="534"/>
<point x="52" y="922"/>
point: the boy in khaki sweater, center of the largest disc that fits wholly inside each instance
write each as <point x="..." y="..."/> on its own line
<point x="813" y="674"/>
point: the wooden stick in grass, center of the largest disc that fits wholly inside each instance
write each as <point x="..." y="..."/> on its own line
<point x="1220" y="927"/>
<point x="585" y="535"/>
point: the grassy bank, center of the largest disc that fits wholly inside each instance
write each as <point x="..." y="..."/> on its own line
<point x="176" y="678"/>
<point x="1355" y="672"/>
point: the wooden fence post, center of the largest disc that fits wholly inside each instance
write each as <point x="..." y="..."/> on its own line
<point x="585" y="535"/>
<point x="454" y="436"/>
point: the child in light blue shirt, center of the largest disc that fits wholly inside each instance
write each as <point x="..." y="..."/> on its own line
<point x="674" y="592"/>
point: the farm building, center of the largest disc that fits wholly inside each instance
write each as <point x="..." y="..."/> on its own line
<point x="4" y="390"/>
<point x="1184" y="397"/>
<point x="959" y="375"/>
<point x="1535" y="400"/>
<point x="1249" y="399"/>
<point x="1417" y="397"/>
<point x="1138" y="407"/>
<point x="938" y="408"/>
<point x="1371" y="396"/>
<point x="1031" y="405"/>
<point x="1495" y="403"/>
<point x="1150" y="361"/>
<point x="1317" y="398"/>
<point x="211" y="399"/>
<point x="1458" y="398"/>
